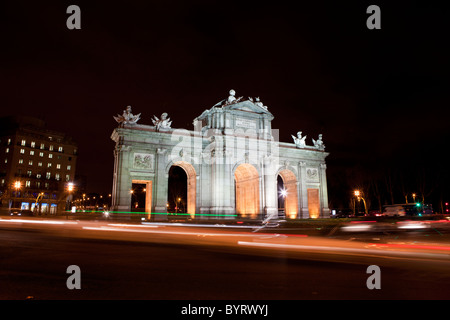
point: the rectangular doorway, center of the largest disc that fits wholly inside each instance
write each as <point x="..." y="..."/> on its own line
<point x="141" y="197"/>
<point x="313" y="203"/>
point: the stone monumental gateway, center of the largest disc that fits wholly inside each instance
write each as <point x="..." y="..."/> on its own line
<point x="232" y="160"/>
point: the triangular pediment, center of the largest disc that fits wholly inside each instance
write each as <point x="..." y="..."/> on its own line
<point x="248" y="106"/>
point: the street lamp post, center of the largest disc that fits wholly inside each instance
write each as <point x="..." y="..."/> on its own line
<point x="17" y="186"/>
<point x="359" y="196"/>
<point x="70" y="188"/>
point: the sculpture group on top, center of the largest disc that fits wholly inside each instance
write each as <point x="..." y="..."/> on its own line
<point x="232" y="100"/>
<point x="163" y="123"/>
<point x="300" y="142"/>
<point x="127" y="117"/>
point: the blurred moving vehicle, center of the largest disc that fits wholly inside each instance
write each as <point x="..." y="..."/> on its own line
<point x="394" y="210"/>
<point x="23" y="213"/>
<point x="407" y="209"/>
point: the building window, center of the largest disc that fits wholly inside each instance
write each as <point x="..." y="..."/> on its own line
<point x="42" y="146"/>
<point x="7" y="150"/>
<point x="38" y="175"/>
<point x="50" y="148"/>
<point x="31" y="152"/>
<point x="46" y="185"/>
<point x="69" y="167"/>
<point x="33" y="144"/>
<point x="39" y="164"/>
<point x="49" y="165"/>
<point x="50" y="155"/>
<point x="20" y="161"/>
<point x="3" y="182"/>
<point x="48" y="175"/>
<point x="28" y="183"/>
<point x="57" y="176"/>
<point x="29" y="173"/>
<point x="50" y="138"/>
<point x="58" y="166"/>
<point x="22" y="151"/>
<point x="9" y="142"/>
<point x="41" y="154"/>
<point x="38" y="184"/>
<point x="67" y="177"/>
<point x="60" y="149"/>
<point x="30" y="162"/>
<point x="6" y="160"/>
<point x="23" y="143"/>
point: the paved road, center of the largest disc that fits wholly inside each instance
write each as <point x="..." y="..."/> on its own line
<point x="119" y="261"/>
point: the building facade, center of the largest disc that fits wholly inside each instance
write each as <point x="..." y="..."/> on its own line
<point x="36" y="166"/>
<point x="232" y="160"/>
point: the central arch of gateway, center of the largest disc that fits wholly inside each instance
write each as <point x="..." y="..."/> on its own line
<point x="233" y="163"/>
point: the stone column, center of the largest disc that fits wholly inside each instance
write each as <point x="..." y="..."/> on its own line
<point x="160" y="185"/>
<point x="121" y="199"/>
<point x="325" y="211"/>
<point x="270" y="188"/>
<point x="303" y="194"/>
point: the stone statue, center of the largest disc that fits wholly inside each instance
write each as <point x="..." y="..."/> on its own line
<point x="299" y="140"/>
<point x="127" y="117"/>
<point x="260" y="104"/>
<point x="163" y="123"/>
<point x="318" y="144"/>
<point x="231" y="98"/>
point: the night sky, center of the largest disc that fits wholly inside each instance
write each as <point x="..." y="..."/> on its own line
<point x="379" y="97"/>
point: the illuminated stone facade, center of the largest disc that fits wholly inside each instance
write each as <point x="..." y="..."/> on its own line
<point x="232" y="160"/>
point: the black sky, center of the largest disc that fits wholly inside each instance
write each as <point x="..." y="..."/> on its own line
<point x="374" y="94"/>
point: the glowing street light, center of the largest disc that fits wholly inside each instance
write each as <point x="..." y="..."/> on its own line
<point x="283" y="193"/>
<point x="357" y="194"/>
<point x="70" y="186"/>
<point x="17" y="185"/>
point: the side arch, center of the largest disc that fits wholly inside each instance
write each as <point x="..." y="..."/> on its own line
<point x="290" y="192"/>
<point x="191" y="183"/>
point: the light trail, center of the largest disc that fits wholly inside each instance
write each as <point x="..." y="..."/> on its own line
<point x="237" y="234"/>
<point x="37" y="221"/>
<point x="179" y="224"/>
<point x="131" y="225"/>
<point x="409" y="246"/>
<point x="358" y="251"/>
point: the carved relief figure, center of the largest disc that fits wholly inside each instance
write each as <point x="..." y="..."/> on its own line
<point x="143" y="161"/>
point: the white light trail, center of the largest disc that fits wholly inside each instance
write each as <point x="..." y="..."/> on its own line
<point x="37" y="221"/>
<point x="177" y="232"/>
